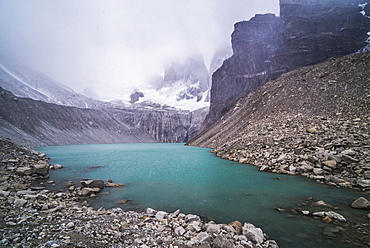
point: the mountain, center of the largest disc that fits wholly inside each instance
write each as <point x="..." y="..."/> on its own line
<point x="185" y="86"/>
<point x="152" y="121"/>
<point x="313" y="121"/>
<point x="307" y="32"/>
<point x="36" y="123"/>
<point x="338" y="88"/>
<point x="254" y="45"/>
<point x="25" y="82"/>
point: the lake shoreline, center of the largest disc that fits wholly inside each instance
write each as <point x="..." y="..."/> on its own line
<point x="38" y="217"/>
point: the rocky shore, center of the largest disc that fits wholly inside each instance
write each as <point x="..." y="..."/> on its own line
<point x="33" y="216"/>
<point x="330" y="150"/>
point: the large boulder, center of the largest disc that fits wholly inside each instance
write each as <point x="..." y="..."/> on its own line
<point x="361" y="202"/>
<point x="253" y="233"/>
<point x="41" y="169"/>
<point x="93" y="184"/>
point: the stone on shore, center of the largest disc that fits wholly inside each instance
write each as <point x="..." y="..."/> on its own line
<point x="253" y="233"/>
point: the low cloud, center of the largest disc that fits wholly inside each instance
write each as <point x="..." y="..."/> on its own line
<point x="111" y="45"/>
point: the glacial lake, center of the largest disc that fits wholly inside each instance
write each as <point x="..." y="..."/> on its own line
<point x="174" y="176"/>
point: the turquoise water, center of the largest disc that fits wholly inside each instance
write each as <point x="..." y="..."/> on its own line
<point x="173" y="176"/>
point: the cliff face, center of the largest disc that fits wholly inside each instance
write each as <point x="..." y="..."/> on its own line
<point x="314" y="31"/>
<point x="307" y="32"/>
<point x="163" y="125"/>
<point x="254" y="45"/>
<point x="35" y="123"/>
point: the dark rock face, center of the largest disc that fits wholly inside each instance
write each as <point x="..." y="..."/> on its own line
<point x="254" y="45"/>
<point x="317" y="30"/>
<point x="308" y="32"/>
<point x="135" y="96"/>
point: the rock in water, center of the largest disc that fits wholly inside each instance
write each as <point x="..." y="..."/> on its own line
<point x="361" y="202"/>
<point x="93" y="184"/>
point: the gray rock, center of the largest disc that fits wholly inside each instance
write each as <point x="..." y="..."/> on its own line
<point x="213" y="228"/>
<point x="70" y="225"/>
<point x="318" y="171"/>
<point x="253" y="233"/>
<point x="24" y="171"/>
<point x="41" y="169"/>
<point x="192" y="217"/>
<point x="161" y="215"/>
<point x="361" y="202"/>
<point x="93" y="184"/>
<point x="221" y="242"/>
<point x="202" y="238"/>
<point x="364" y="183"/>
<point x="348" y="159"/>
<point x="20" y="202"/>
<point x="367" y="174"/>
<point x="179" y="231"/>
<point x="331" y="215"/>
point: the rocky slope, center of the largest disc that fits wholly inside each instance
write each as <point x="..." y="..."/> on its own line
<point x="313" y="121"/>
<point x="307" y="32"/>
<point x="33" y="216"/>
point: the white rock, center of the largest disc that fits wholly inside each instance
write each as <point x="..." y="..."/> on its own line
<point x="213" y="228"/>
<point x="160" y="215"/>
<point x="179" y="231"/>
<point x="253" y="233"/>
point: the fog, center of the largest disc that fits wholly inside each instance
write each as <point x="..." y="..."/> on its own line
<point x="109" y="45"/>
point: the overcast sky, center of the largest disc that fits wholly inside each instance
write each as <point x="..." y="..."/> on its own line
<point x="112" y="44"/>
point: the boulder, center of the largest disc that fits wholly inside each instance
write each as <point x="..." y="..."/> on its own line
<point x="24" y="171"/>
<point x="179" y="231"/>
<point x="213" y="228"/>
<point x="88" y="191"/>
<point x="161" y="215"/>
<point x="202" y="238"/>
<point x="253" y="233"/>
<point x="330" y="163"/>
<point x="192" y="217"/>
<point x="41" y="169"/>
<point x="361" y="202"/>
<point x="364" y="183"/>
<point x="93" y="184"/>
<point x="238" y="226"/>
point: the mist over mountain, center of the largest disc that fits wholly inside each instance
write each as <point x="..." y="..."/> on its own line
<point x="25" y="82"/>
<point x="185" y="85"/>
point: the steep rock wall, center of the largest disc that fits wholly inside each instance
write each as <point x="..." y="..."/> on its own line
<point x="254" y="45"/>
<point x="309" y="32"/>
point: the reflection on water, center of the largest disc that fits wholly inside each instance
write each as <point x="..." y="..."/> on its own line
<point x="173" y="176"/>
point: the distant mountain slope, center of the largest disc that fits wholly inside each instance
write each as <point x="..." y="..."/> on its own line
<point x="338" y="88"/>
<point x="36" y="123"/>
<point x="165" y="124"/>
<point x="24" y="82"/>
